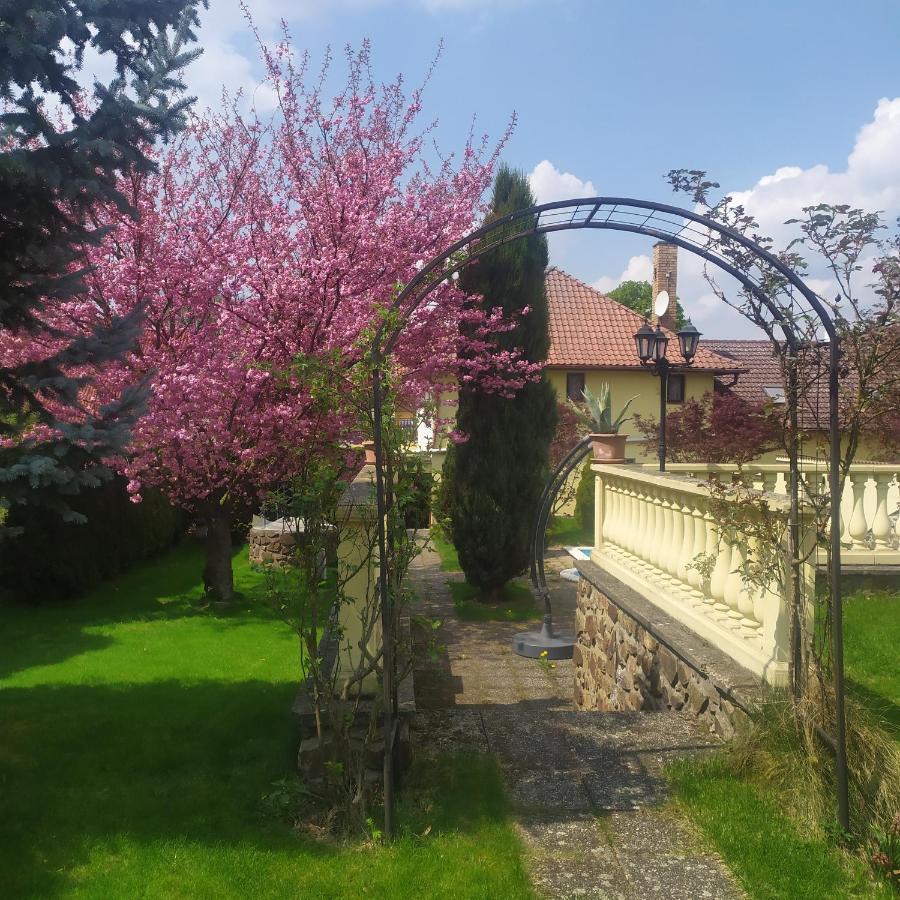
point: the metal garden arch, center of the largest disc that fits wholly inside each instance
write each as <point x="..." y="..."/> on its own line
<point x="744" y="259"/>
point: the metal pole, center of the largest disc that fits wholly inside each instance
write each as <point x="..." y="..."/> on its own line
<point x="798" y="676"/>
<point x="663" y="370"/>
<point x="837" y="615"/>
<point x="387" y="617"/>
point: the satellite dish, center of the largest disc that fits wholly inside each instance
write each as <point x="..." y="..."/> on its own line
<point x="661" y="303"/>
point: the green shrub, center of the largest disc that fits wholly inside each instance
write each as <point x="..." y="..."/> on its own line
<point x="584" y="498"/>
<point x="54" y="560"/>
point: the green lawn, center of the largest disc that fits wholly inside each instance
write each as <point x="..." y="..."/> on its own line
<point x="515" y="605"/>
<point x="871" y="642"/>
<point x="768" y="853"/>
<point x="140" y="731"/>
<point x="567" y="531"/>
<point x="444" y="549"/>
<point x="772" y="854"/>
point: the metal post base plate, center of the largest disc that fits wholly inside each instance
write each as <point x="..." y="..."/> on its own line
<point x="535" y="644"/>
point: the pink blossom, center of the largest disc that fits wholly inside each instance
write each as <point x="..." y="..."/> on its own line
<point x="258" y="242"/>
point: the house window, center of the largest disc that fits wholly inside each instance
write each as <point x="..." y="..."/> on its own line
<point x="775" y="393"/>
<point x="575" y="386"/>
<point x="675" y="392"/>
<point x="408" y="427"/>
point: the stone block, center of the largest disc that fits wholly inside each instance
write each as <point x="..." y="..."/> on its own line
<point x="698" y="699"/>
<point x="667" y="665"/>
<point x="724" y="727"/>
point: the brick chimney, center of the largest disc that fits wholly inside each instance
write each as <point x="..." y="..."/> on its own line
<point x="665" y="278"/>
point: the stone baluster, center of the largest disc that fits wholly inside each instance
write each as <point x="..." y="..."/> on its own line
<point x="640" y="537"/>
<point x="734" y="582"/>
<point x="687" y="539"/>
<point x="720" y="573"/>
<point x="676" y="539"/>
<point x="609" y="518"/>
<point x="858" y="528"/>
<point x="747" y="598"/>
<point x="624" y="525"/>
<point x="665" y="541"/>
<point x="711" y="552"/>
<point x="653" y="556"/>
<point x="698" y="548"/>
<point x="630" y="517"/>
<point x="634" y="543"/>
<point x="881" y="524"/>
<point x="646" y="550"/>
<point x="622" y="535"/>
<point x="619" y="527"/>
<point x="615" y="504"/>
<point x="606" y="496"/>
<point x="769" y="481"/>
<point x="625" y="516"/>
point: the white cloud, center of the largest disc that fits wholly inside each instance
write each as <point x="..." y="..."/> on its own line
<point x="549" y="184"/>
<point x="870" y="180"/>
<point x="639" y="268"/>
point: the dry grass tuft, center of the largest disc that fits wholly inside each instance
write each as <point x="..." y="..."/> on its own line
<point x="795" y="763"/>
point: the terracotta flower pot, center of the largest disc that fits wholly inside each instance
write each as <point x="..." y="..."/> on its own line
<point x="608" y="448"/>
<point x="369" y="448"/>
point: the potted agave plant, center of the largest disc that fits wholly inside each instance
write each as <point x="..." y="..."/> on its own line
<point x="608" y="444"/>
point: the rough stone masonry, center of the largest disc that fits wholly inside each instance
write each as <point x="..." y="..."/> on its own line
<point x="630" y="656"/>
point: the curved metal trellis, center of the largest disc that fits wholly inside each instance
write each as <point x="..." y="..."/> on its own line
<point x="760" y="273"/>
<point x="547" y="641"/>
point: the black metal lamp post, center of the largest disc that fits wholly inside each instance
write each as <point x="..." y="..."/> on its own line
<point x="651" y="347"/>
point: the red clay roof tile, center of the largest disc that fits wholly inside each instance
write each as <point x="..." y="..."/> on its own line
<point x="589" y="330"/>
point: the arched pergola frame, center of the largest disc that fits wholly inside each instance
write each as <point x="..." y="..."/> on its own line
<point x="765" y="278"/>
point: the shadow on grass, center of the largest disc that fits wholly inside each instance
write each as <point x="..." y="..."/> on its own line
<point x="516" y="603"/>
<point x="102" y="785"/>
<point x="86" y="764"/>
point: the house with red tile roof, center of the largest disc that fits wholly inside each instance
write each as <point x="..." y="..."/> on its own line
<point x="592" y="342"/>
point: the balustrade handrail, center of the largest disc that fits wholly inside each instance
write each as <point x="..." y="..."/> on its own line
<point x="776" y="467"/>
<point x="686" y="483"/>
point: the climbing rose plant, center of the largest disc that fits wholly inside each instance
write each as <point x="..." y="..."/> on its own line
<point x="259" y="245"/>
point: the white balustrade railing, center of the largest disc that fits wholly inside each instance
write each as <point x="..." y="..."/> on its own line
<point x="870" y="505"/>
<point x="654" y="532"/>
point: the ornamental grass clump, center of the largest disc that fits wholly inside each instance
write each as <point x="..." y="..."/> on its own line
<point x="788" y="756"/>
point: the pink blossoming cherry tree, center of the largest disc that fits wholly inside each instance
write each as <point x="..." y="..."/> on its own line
<point x="259" y="243"/>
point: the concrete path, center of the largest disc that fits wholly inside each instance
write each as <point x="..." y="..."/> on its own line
<point x="586" y="787"/>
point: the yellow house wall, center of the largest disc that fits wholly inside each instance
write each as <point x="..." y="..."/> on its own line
<point x="627" y="383"/>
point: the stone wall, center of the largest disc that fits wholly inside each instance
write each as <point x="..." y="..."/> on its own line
<point x="270" y="547"/>
<point x="625" y="662"/>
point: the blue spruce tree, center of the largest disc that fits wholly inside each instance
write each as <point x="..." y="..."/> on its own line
<point x="50" y="179"/>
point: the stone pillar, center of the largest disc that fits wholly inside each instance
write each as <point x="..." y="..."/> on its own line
<point x="665" y="278"/>
<point x="356" y="555"/>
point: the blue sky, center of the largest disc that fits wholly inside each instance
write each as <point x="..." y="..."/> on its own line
<point x="785" y="102"/>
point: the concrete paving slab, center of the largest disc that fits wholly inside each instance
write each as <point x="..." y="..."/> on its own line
<point x="587" y="788"/>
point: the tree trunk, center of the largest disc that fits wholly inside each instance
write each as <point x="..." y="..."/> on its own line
<point x="218" y="579"/>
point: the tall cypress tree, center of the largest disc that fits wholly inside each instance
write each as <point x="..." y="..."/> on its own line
<point x="51" y="176"/>
<point x="494" y="479"/>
